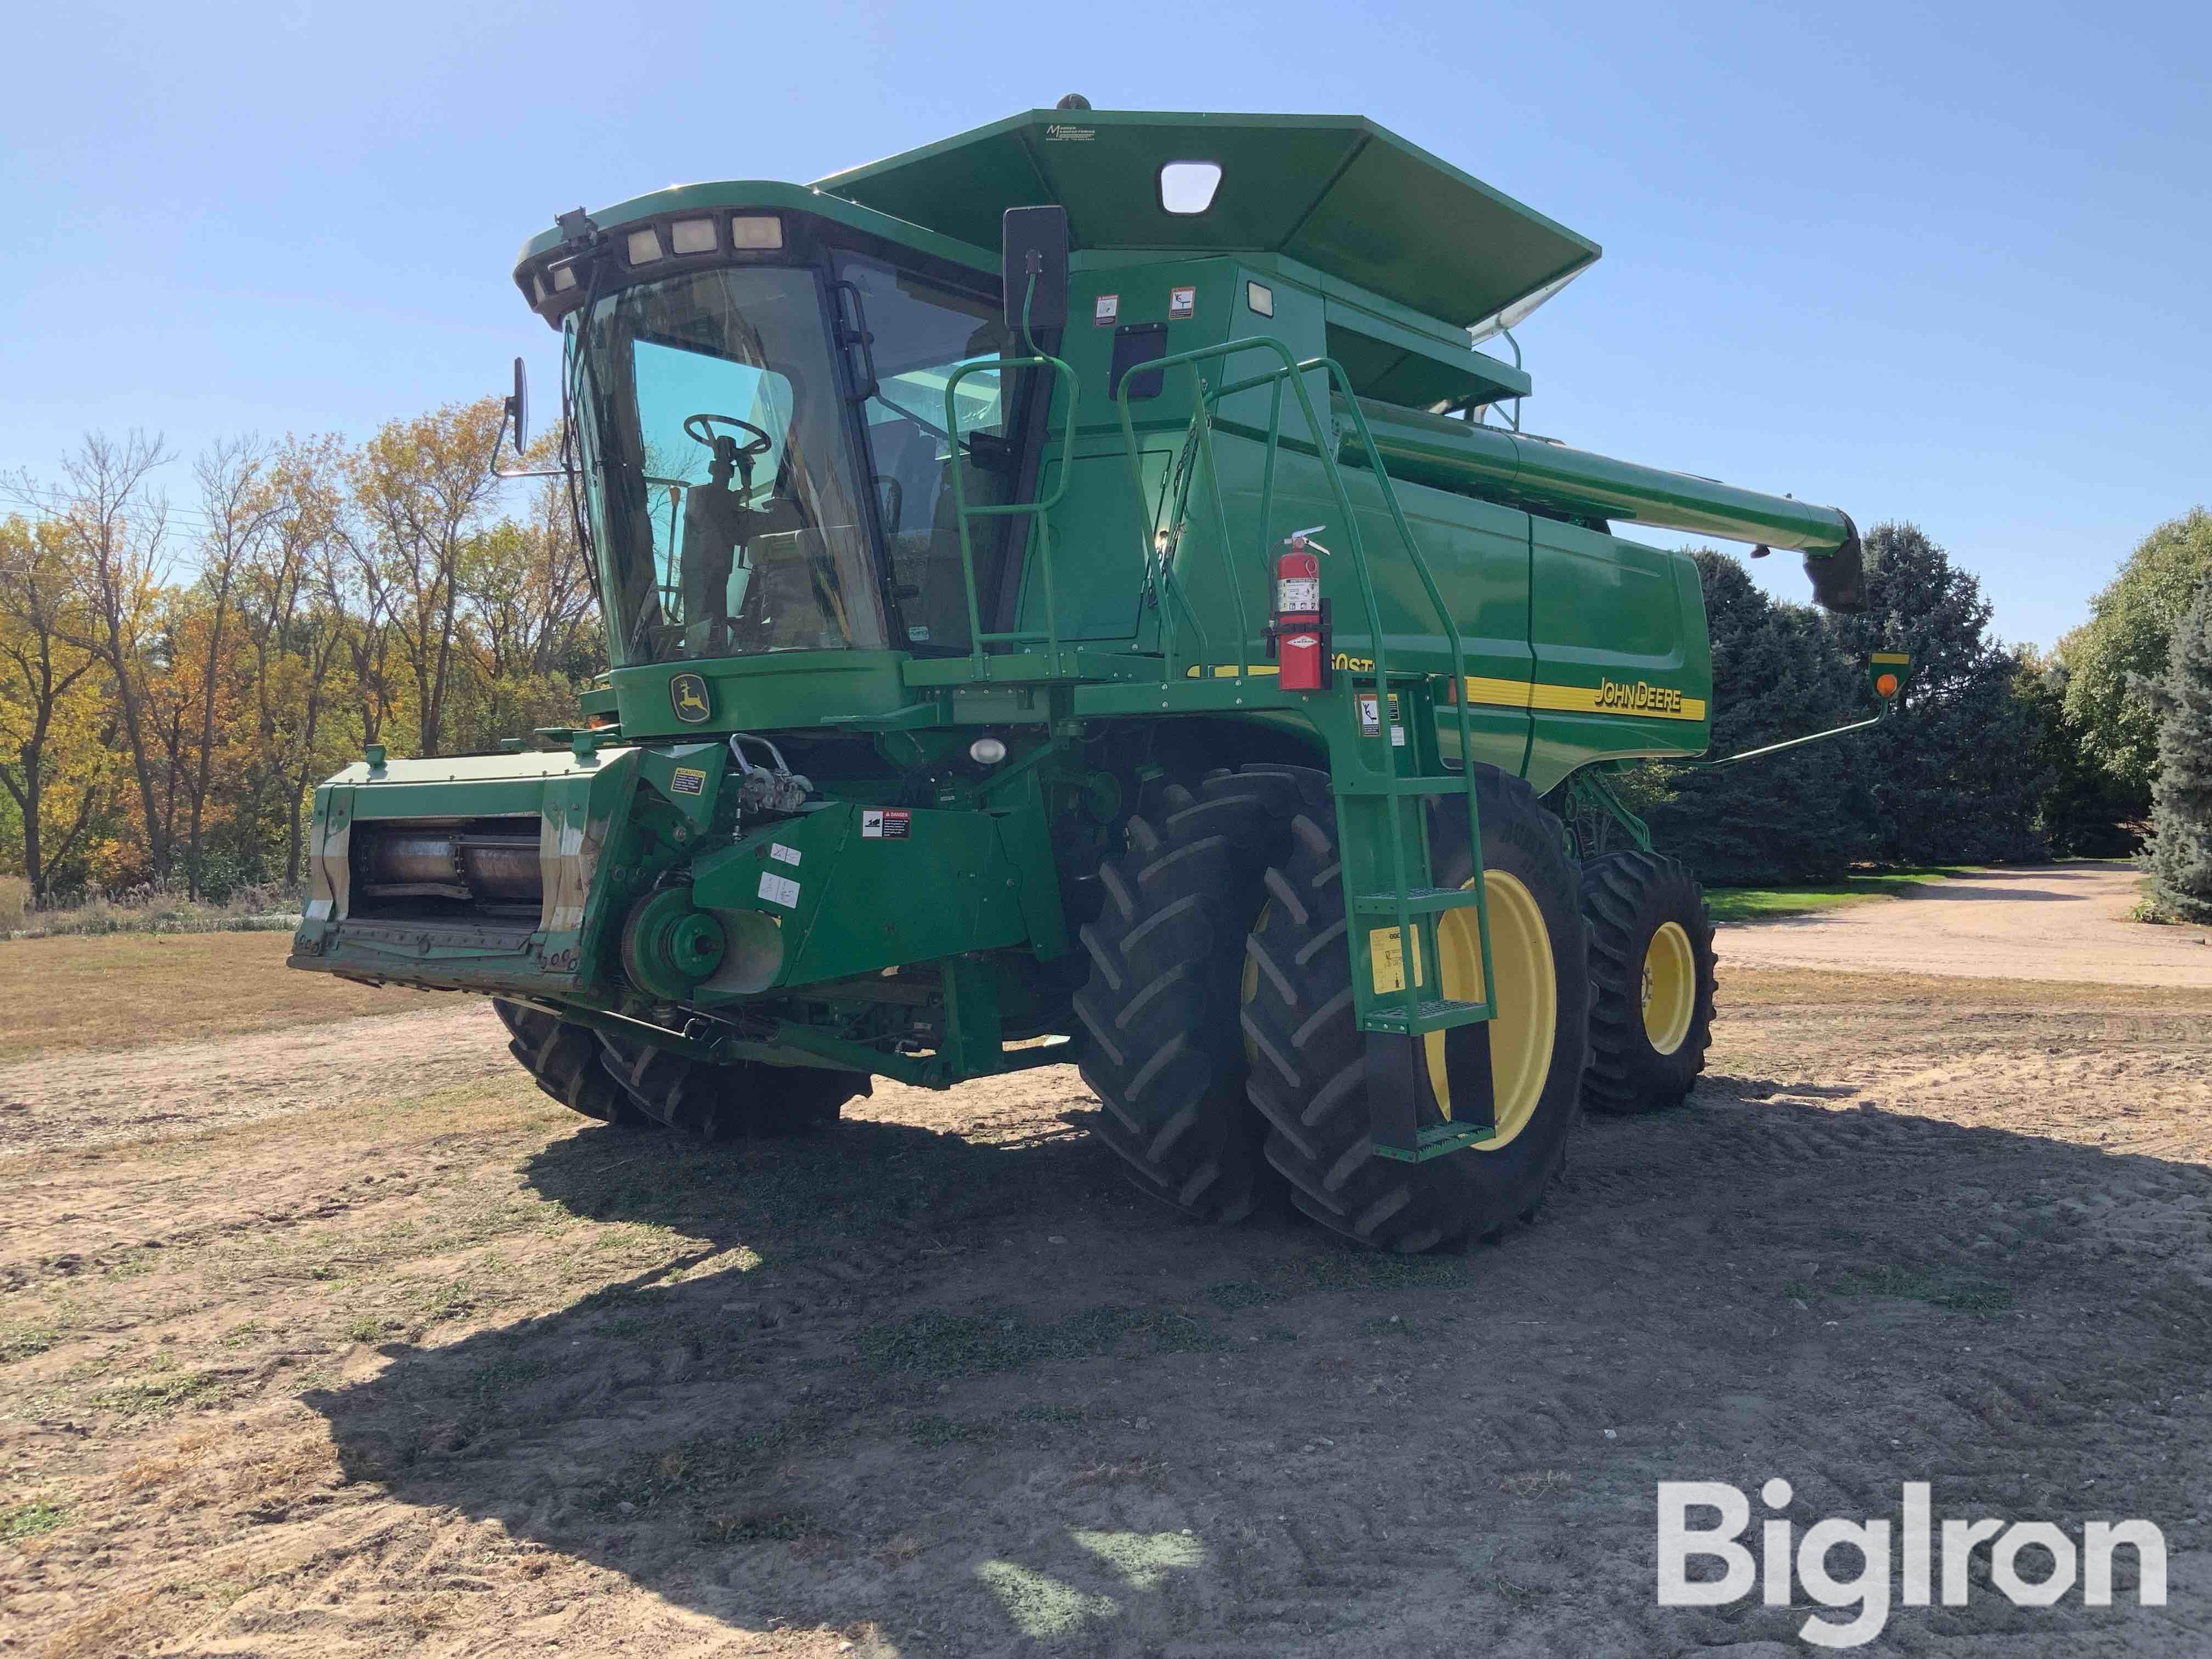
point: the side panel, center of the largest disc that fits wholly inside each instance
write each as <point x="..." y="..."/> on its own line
<point x="1623" y="664"/>
<point x="853" y="894"/>
<point x="1478" y="553"/>
<point x="1098" y="573"/>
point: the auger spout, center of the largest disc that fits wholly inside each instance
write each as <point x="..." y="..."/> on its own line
<point x="1492" y="463"/>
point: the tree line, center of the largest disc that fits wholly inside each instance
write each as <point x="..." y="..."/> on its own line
<point x="175" y="676"/>
<point x="1998" y="753"/>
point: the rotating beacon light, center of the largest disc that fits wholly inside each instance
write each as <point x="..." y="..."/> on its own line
<point x="1298" y="628"/>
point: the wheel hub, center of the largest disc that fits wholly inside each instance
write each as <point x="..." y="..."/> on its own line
<point x="1670" y="988"/>
<point x="1521" y="1036"/>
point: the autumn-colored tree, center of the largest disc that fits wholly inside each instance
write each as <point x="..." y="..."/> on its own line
<point x="52" y="762"/>
<point x="297" y="632"/>
<point x="424" y="489"/>
<point x="238" y="507"/>
<point x="114" y="527"/>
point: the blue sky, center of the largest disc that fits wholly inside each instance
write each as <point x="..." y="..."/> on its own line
<point x="1944" y="262"/>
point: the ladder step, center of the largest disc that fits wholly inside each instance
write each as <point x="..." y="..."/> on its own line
<point x="1438" y="1140"/>
<point x="1419" y="901"/>
<point x="1437" y="1015"/>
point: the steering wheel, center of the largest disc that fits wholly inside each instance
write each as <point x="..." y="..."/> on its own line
<point x="700" y="428"/>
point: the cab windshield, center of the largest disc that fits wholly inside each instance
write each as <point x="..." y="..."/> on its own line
<point x="718" y="469"/>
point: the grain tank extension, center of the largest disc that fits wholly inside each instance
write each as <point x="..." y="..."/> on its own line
<point x="1080" y="581"/>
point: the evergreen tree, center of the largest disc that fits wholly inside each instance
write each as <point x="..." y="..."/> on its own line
<point x="1775" y="676"/>
<point x="1957" y="777"/>
<point x="2181" y="818"/>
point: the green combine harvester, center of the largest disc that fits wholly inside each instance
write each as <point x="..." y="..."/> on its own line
<point x="1149" y="641"/>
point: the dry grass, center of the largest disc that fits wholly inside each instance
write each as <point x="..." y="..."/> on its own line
<point x="1772" y="988"/>
<point x="15" y="900"/>
<point x="124" y="990"/>
<point x="453" y="1371"/>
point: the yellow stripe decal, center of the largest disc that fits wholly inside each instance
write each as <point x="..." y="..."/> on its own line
<point x="1639" y="698"/>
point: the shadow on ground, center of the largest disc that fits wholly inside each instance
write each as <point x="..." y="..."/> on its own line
<point x="983" y="1400"/>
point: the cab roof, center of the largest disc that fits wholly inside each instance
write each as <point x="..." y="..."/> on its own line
<point x="1335" y="193"/>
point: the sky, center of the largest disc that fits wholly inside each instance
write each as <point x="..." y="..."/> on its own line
<point x="1942" y="263"/>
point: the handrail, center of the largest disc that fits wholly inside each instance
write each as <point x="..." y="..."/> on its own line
<point x="1036" y="510"/>
<point x="1294" y="371"/>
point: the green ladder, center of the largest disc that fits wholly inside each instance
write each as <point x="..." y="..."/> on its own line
<point x="1384" y="753"/>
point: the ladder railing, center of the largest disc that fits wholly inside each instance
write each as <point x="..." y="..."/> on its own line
<point x="1037" y="512"/>
<point x="1360" y="787"/>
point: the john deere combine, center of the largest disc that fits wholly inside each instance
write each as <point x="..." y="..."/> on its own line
<point x="1079" y="580"/>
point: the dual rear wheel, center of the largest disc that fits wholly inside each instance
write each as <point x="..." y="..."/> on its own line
<point x="1222" y="1037"/>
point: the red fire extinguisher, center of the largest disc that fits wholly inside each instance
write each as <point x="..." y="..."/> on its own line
<point x="1298" y="629"/>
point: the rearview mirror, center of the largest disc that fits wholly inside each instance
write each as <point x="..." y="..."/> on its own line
<point x="517" y="408"/>
<point x="1033" y="263"/>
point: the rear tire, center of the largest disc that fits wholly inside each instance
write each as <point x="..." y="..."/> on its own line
<point x="563" y="1058"/>
<point x="1651" y="982"/>
<point x="1310" y="1070"/>
<point x="1161" y="1048"/>
<point x="747" y="1101"/>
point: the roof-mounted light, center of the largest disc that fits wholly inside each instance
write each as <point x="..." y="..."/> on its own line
<point x="692" y="236"/>
<point x="644" y="246"/>
<point x="755" y="231"/>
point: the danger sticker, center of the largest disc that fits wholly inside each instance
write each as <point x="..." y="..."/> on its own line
<point x="1106" y="312"/>
<point x="1182" y="302"/>
<point x="778" y="889"/>
<point x="781" y="853"/>
<point x="884" y="823"/>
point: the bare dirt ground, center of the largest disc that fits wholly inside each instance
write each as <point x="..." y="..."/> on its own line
<point x="428" y="1364"/>
<point x="2056" y="921"/>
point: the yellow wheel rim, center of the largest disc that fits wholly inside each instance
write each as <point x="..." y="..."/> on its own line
<point x="1528" y="1022"/>
<point x="1670" y="988"/>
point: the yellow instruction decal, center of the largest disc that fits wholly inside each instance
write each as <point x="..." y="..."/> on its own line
<point x="1386" y="955"/>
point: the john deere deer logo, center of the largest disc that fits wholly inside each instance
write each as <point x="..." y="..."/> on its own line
<point x="688" y="693"/>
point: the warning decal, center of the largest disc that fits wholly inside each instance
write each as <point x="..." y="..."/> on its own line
<point x="885" y="823"/>
<point x="687" y="780"/>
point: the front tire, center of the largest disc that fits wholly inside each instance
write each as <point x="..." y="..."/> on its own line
<point x="1159" y="1009"/>
<point x="746" y="1101"/>
<point x="1652" y="981"/>
<point x="1310" y="1071"/>
<point x="563" y="1059"/>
